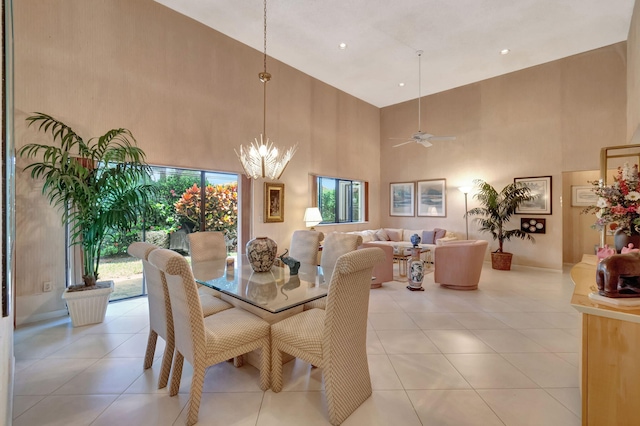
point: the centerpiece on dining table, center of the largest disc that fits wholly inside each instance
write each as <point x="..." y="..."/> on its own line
<point x="618" y="206"/>
<point x="261" y="252"/>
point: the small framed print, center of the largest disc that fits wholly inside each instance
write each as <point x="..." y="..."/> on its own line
<point x="402" y="199"/>
<point x="432" y="198"/>
<point x="533" y="225"/>
<point x="583" y="196"/>
<point x="540" y="187"/>
<point x="273" y="202"/>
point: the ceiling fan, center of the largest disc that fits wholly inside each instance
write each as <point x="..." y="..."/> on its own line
<point x="423" y="138"/>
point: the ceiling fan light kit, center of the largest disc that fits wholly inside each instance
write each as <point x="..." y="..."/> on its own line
<point x="423" y="138"/>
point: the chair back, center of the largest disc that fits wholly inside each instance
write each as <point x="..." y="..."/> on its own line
<point x="157" y="293"/>
<point x="335" y="245"/>
<point x="207" y="245"/>
<point x="344" y="339"/>
<point x="188" y="319"/>
<point x="304" y="246"/>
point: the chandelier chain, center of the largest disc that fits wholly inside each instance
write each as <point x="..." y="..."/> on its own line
<point x="265" y="36"/>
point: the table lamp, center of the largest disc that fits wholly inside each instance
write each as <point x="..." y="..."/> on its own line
<point x="312" y="217"/>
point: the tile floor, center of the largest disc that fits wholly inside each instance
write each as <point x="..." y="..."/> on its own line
<point x="506" y="354"/>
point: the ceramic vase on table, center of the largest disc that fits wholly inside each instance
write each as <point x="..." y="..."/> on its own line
<point x="261" y="252"/>
<point x="416" y="270"/>
<point x="621" y="239"/>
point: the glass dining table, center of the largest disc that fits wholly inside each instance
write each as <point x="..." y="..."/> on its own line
<point x="275" y="291"/>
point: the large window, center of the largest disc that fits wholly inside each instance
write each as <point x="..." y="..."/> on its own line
<point x="341" y="200"/>
<point x="187" y="201"/>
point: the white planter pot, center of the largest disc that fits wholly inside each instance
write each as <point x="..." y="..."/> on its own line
<point x="88" y="306"/>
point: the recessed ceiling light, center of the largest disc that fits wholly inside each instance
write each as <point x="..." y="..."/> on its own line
<point x="342" y="46"/>
<point x="401" y="84"/>
<point x="504" y="51"/>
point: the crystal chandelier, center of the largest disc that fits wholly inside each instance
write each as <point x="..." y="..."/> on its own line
<point x="263" y="159"/>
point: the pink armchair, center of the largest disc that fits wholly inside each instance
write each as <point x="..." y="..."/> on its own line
<point x="382" y="271"/>
<point x="458" y="264"/>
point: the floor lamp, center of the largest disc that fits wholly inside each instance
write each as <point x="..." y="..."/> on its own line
<point x="465" y="190"/>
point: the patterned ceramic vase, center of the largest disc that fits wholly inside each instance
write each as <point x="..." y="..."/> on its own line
<point x="415" y="240"/>
<point x="261" y="252"/>
<point x="416" y="269"/>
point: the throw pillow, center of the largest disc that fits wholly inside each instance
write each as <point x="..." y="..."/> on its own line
<point x="382" y="235"/>
<point x="428" y="237"/>
<point x="393" y="235"/>
<point x="439" y="233"/>
<point x="407" y="233"/>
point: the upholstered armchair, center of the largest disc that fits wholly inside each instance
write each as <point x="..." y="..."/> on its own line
<point x="382" y="271"/>
<point x="458" y="264"/>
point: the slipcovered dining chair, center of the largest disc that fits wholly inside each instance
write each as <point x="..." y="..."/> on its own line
<point x="206" y="246"/>
<point x="206" y="341"/>
<point x="160" y="319"/>
<point x="335" y="245"/>
<point x="334" y="339"/>
<point x="304" y="246"/>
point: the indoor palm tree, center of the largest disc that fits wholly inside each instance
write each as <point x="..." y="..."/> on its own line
<point x="98" y="184"/>
<point x="497" y="208"/>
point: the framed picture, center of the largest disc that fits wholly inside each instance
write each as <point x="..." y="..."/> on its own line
<point x="540" y="187"/>
<point x="583" y="196"/>
<point x="273" y="202"/>
<point x="532" y="225"/>
<point x="432" y="198"/>
<point x="402" y="199"/>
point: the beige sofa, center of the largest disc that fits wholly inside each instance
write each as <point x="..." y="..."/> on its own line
<point x="401" y="238"/>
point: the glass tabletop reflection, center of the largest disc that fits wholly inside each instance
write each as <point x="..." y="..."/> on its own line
<point x="274" y="291"/>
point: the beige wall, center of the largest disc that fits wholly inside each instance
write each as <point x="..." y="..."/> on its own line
<point x="540" y="121"/>
<point x="633" y="78"/>
<point x="189" y="95"/>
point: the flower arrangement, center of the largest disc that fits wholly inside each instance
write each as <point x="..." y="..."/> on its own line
<point x="619" y="203"/>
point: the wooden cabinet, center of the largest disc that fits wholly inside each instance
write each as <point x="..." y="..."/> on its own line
<point x="610" y="362"/>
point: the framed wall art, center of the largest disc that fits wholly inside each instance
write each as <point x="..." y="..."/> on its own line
<point x="432" y="198"/>
<point x="402" y="199"/>
<point x="273" y="202"/>
<point x="532" y="225"/>
<point x="583" y="196"/>
<point x="540" y="187"/>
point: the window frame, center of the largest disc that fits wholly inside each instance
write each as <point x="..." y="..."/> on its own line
<point x="340" y="185"/>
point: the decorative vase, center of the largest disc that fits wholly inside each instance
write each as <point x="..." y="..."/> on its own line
<point x="621" y="239"/>
<point x="261" y="252"/>
<point x="415" y="240"/>
<point x="416" y="269"/>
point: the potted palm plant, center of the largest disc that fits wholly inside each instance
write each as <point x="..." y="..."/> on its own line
<point x="99" y="186"/>
<point x="496" y="210"/>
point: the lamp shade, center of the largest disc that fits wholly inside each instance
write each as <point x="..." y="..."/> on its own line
<point x="312" y="216"/>
<point x="465" y="189"/>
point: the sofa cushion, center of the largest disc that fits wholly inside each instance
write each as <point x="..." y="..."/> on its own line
<point x="428" y="237"/>
<point x="382" y="235"/>
<point x="407" y="233"/>
<point x="439" y="233"/>
<point x="367" y="236"/>
<point x="394" y="234"/>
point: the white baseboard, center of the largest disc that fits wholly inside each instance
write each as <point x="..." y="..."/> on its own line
<point x="41" y="317"/>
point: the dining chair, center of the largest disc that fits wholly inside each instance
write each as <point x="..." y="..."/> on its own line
<point x="205" y="246"/>
<point x="335" y="245"/>
<point x="160" y="318"/>
<point x="305" y="245"/>
<point x="205" y="341"/>
<point x="333" y="339"/>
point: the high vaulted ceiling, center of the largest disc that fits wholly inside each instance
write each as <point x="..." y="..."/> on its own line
<point x="461" y="39"/>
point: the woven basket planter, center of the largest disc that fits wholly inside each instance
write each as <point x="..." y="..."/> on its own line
<point x="501" y="261"/>
<point x="88" y="306"/>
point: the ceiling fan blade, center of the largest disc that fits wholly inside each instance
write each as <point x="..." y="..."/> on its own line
<point x="400" y="144"/>
<point x="442" y="138"/>
<point x="425" y="143"/>
<point x="397" y="139"/>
